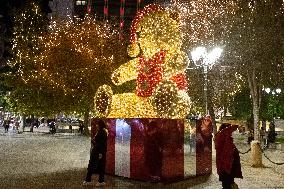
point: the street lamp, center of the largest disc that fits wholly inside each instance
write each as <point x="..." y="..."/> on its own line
<point x="202" y="58"/>
<point x="276" y="91"/>
<point x="273" y="92"/>
<point x="267" y="90"/>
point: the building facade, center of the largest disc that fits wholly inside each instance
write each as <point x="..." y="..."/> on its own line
<point x="120" y="13"/>
<point x="61" y="9"/>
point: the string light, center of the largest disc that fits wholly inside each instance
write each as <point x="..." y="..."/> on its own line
<point x="103" y="100"/>
<point x="204" y="22"/>
<point x="60" y="69"/>
<point x="86" y="41"/>
<point x="158" y="67"/>
<point x="150" y="74"/>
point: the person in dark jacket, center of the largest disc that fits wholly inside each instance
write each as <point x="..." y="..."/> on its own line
<point x="97" y="160"/>
<point x="153" y="150"/>
<point x="6" y="125"/>
<point x="81" y="127"/>
<point x="227" y="156"/>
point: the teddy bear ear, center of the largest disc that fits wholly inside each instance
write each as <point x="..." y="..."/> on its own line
<point x="133" y="50"/>
<point x="175" y="16"/>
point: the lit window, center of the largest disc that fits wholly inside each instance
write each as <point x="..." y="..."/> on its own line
<point x="81" y="3"/>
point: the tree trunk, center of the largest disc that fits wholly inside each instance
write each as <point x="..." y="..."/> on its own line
<point x="225" y="111"/>
<point x="22" y="123"/>
<point x="212" y="114"/>
<point x="86" y="131"/>
<point x="255" y="119"/>
<point x="211" y="109"/>
<point x="263" y="124"/>
<point x="256" y="155"/>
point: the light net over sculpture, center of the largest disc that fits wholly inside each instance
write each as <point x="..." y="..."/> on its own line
<point x="158" y="66"/>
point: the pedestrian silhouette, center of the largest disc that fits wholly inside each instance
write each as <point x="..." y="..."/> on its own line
<point x="81" y="127"/>
<point x="227" y="156"/>
<point x="70" y="128"/>
<point x="6" y="125"/>
<point x="97" y="160"/>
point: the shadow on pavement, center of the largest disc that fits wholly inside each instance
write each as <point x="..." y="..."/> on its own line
<point x="72" y="179"/>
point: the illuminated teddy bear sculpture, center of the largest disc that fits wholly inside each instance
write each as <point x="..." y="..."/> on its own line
<point x="158" y="66"/>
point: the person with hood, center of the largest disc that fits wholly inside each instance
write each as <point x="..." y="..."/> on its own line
<point x="227" y="156"/>
<point x="97" y="162"/>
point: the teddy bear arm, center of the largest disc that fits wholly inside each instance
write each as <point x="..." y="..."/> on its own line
<point x="125" y="72"/>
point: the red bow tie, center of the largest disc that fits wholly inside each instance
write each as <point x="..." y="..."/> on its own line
<point x="150" y="73"/>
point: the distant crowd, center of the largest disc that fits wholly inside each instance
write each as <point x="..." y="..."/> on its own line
<point x="13" y="124"/>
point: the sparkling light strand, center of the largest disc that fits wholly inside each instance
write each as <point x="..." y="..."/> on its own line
<point x="159" y="68"/>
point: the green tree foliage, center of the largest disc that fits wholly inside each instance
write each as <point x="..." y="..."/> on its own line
<point x="272" y="105"/>
<point x="60" y="69"/>
<point x="29" y="28"/>
<point x="255" y="47"/>
<point x="241" y="105"/>
<point x="78" y="58"/>
<point x="207" y="23"/>
<point x="281" y="107"/>
<point x="256" y="39"/>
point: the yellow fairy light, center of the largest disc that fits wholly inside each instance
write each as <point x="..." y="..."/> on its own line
<point x="129" y="105"/>
<point x="103" y="100"/>
<point x="165" y="99"/>
<point x="67" y="61"/>
<point x="204" y="21"/>
<point x="133" y="50"/>
<point x="158" y="67"/>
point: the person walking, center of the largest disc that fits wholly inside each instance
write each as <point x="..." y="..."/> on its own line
<point x="271" y="133"/>
<point x="97" y="160"/>
<point x="6" y="125"/>
<point x="70" y="128"/>
<point x="81" y="127"/>
<point x="227" y="156"/>
<point x="17" y="125"/>
<point x="52" y="129"/>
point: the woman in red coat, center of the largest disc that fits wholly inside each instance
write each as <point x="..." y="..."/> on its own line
<point x="227" y="156"/>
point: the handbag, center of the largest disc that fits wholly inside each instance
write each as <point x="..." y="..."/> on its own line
<point x="234" y="186"/>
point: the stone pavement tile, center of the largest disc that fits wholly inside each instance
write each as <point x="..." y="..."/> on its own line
<point x="59" y="162"/>
<point x="267" y="177"/>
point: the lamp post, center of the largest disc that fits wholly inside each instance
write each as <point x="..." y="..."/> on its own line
<point x="271" y="131"/>
<point x="202" y="58"/>
<point x="275" y="101"/>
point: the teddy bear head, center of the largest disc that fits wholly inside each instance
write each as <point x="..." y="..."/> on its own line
<point x="154" y="29"/>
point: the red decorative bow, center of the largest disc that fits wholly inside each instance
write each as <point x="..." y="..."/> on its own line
<point x="150" y="73"/>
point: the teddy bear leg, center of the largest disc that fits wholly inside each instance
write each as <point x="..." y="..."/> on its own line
<point x="103" y="100"/>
